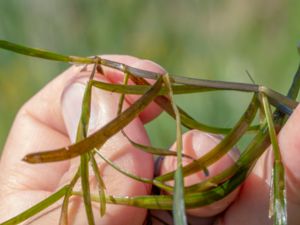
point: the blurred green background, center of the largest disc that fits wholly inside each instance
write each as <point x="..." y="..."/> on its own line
<point x="210" y="39"/>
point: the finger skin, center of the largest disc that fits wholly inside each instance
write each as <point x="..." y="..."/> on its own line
<point x="166" y="216"/>
<point x="40" y="125"/>
<point x="196" y="144"/>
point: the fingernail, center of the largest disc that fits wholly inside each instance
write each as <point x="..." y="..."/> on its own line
<point x="100" y="113"/>
<point x="205" y="142"/>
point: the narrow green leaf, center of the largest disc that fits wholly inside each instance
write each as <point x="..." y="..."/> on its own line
<point x="135" y="177"/>
<point x="41" y="53"/>
<point x="82" y="131"/>
<point x="132" y="176"/>
<point x="97" y="139"/>
<point x="218" y="85"/>
<point x="222" y="85"/>
<point x="154" y="150"/>
<point x="294" y="89"/>
<point x="185" y="118"/>
<point x="64" y="208"/>
<point x="179" y="215"/>
<point x="193" y="200"/>
<point x="122" y="96"/>
<point x="278" y="210"/>
<point x="223" y="147"/>
<point x="85" y="184"/>
<point x="276" y="98"/>
<point x="38" y="207"/>
<point x="249" y="156"/>
<point x="101" y="185"/>
<point x="142" y="89"/>
<point x="280" y="101"/>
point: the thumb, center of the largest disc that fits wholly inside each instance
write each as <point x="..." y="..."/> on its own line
<point x="104" y="106"/>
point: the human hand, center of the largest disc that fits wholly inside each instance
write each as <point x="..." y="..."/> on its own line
<point x="49" y="120"/>
<point x="41" y="125"/>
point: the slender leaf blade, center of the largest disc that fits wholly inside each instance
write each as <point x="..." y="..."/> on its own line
<point x="278" y="210"/>
<point x="41" y="53"/>
<point x="38" y="207"/>
<point x="97" y="139"/>
<point x="64" y="208"/>
<point x="85" y="184"/>
<point x="101" y="185"/>
<point x="178" y="198"/>
<point x="154" y="150"/>
<point x="223" y="147"/>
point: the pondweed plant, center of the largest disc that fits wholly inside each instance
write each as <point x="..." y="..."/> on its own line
<point x="182" y="197"/>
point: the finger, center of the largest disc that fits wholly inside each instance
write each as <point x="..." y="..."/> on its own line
<point x="103" y="109"/>
<point x="289" y="141"/>
<point x="255" y="193"/>
<point x="196" y="144"/>
<point x="117" y="149"/>
<point x="38" y="125"/>
<point x="153" y="110"/>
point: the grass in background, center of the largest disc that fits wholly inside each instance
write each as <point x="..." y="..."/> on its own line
<point x="209" y="39"/>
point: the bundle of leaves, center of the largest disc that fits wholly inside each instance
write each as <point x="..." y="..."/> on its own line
<point x="161" y="91"/>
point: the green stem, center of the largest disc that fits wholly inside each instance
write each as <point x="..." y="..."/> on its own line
<point x="101" y="185"/>
<point x="64" y="209"/>
<point x="279" y="199"/>
<point x="178" y="208"/>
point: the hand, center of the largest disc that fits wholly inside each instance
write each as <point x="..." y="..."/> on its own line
<point x="49" y="120"/>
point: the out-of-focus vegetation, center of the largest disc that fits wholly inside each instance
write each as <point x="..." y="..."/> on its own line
<point x="209" y="39"/>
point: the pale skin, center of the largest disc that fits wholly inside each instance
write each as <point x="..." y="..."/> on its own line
<point x="49" y="120"/>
